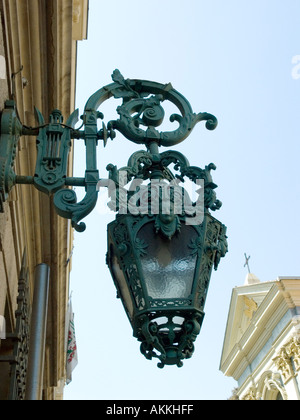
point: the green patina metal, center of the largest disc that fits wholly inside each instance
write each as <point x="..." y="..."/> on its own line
<point x="141" y="107"/>
<point x="160" y="252"/>
<point x="11" y="129"/>
<point x="162" y="271"/>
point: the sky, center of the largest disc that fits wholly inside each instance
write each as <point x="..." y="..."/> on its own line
<point x="240" y="61"/>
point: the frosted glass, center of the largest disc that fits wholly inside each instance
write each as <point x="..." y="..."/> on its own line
<point x="173" y="281"/>
<point x="168" y="266"/>
<point x="120" y="279"/>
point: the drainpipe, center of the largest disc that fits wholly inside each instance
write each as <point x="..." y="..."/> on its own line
<point x="37" y="342"/>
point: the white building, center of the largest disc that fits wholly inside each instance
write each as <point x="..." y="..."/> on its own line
<point x="261" y="349"/>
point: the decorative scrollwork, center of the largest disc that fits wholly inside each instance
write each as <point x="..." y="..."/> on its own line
<point x="126" y="254"/>
<point x="143" y="165"/>
<point x="140" y="115"/>
<point x="165" y="319"/>
<point x="138" y="109"/>
<point x="10" y="132"/>
<point x="288" y="358"/>
<point x="53" y="146"/>
<point x="20" y="338"/>
<point x="65" y="202"/>
<point x="171" y="342"/>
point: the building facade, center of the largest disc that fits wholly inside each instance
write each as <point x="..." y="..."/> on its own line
<point x="38" y="45"/>
<point x="261" y="349"/>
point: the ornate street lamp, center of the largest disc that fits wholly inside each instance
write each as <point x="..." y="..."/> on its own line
<point x="162" y="245"/>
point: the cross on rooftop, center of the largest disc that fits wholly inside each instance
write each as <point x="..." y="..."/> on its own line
<point x="247" y="262"/>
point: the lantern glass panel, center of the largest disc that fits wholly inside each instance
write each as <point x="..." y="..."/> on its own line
<point x="169" y="264"/>
<point x="122" y="283"/>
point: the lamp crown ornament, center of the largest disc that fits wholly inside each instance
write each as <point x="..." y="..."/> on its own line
<point x="163" y="244"/>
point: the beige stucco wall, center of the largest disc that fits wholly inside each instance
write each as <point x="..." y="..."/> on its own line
<point x="40" y="37"/>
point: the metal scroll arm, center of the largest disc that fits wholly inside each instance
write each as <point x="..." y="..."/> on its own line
<point x="11" y="130"/>
<point x="141" y="107"/>
<point x="53" y="147"/>
<point x="65" y="200"/>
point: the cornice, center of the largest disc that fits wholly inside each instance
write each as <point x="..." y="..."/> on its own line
<point x="80" y="19"/>
<point x="290" y="289"/>
<point x="267" y="316"/>
<point x="236" y="307"/>
<point x="39" y="37"/>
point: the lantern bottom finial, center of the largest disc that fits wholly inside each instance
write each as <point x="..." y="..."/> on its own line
<point x="169" y="337"/>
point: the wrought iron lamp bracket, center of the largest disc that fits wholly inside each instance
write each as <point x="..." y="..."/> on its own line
<point x="160" y="262"/>
<point x="140" y="114"/>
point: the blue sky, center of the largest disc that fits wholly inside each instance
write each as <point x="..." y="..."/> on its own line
<point x="237" y="60"/>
